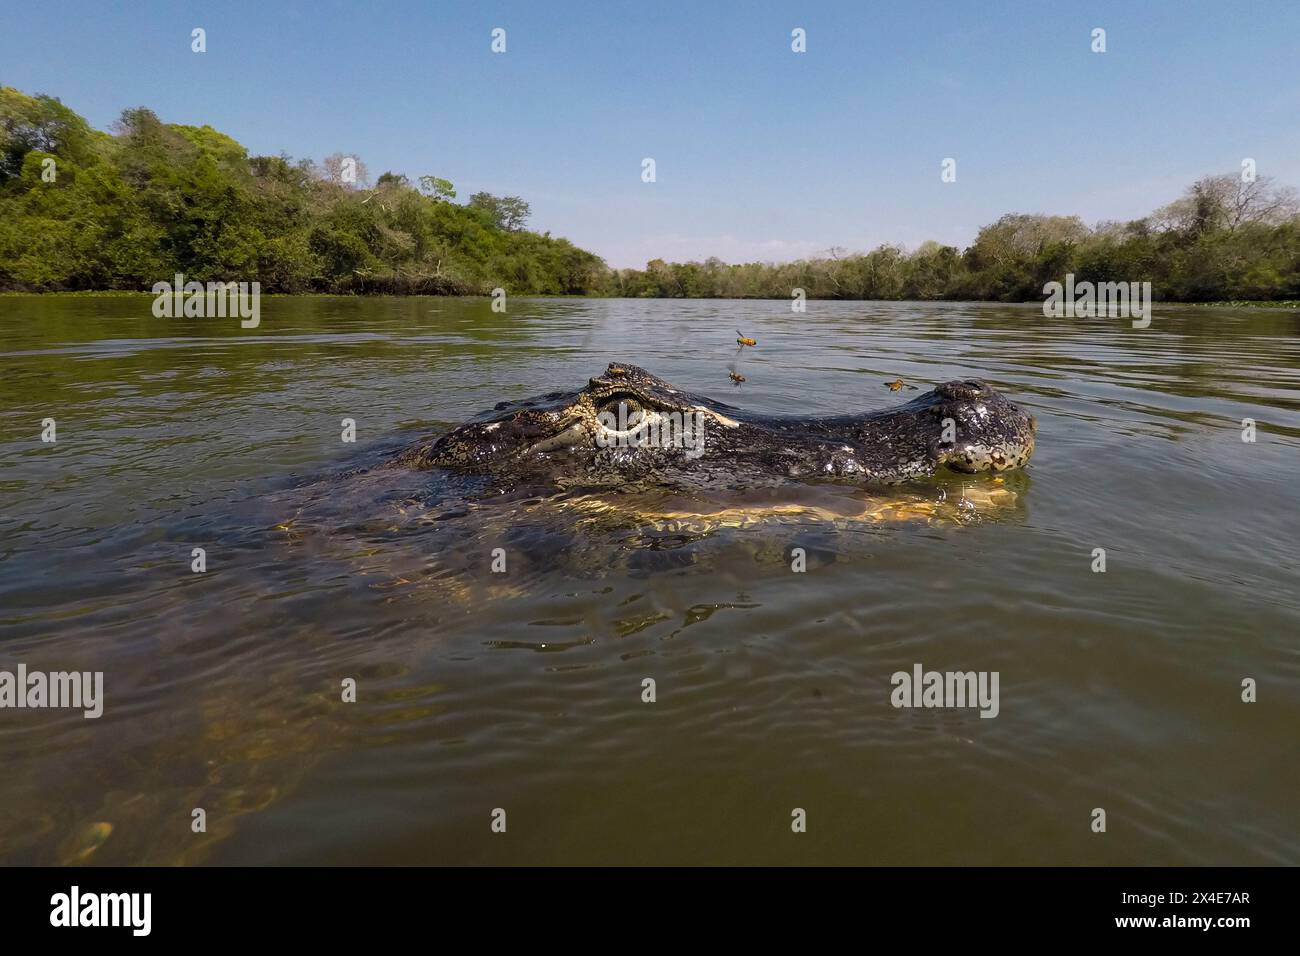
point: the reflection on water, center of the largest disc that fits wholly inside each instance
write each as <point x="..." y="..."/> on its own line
<point x="523" y="690"/>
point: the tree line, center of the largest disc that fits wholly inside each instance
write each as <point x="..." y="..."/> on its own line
<point x="1226" y="238"/>
<point x="83" y="209"/>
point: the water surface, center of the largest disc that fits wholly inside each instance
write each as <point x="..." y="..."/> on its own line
<point x="523" y="691"/>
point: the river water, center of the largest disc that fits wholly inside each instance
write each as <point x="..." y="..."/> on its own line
<point x="523" y="692"/>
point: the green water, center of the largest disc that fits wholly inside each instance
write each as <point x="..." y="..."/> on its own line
<point x="1118" y="690"/>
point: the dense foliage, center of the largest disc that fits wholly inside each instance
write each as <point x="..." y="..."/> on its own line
<point x="1225" y="239"/>
<point x="127" y="209"/>
<point x="85" y="209"/>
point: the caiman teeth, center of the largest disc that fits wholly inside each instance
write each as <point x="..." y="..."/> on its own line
<point x="570" y="436"/>
<point x="720" y="419"/>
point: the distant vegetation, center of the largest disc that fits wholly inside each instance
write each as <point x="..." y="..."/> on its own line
<point x="131" y="208"/>
<point x="123" y="210"/>
<point x="1225" y="239"/>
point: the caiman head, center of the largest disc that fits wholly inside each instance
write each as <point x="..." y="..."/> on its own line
<point x="629" y="427"/>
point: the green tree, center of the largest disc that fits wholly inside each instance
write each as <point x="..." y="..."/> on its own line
<point x="508" y="212"/>
<point x="440" y="189"/>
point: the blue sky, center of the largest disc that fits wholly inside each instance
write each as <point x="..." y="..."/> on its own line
<point x="761" y="153"/>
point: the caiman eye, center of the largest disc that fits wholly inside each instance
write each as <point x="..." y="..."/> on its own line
<point x="632" y="409"/>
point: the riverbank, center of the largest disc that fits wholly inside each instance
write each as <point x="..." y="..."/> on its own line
<point x="1283" y="304"/>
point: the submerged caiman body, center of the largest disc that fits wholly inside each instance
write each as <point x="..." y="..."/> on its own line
<point x="627" y="427"/>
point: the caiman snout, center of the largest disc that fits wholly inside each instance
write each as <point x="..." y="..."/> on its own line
<point x="979" y="428"/>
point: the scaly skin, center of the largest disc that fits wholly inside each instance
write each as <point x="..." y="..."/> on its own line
<point x="557" y="439"/>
